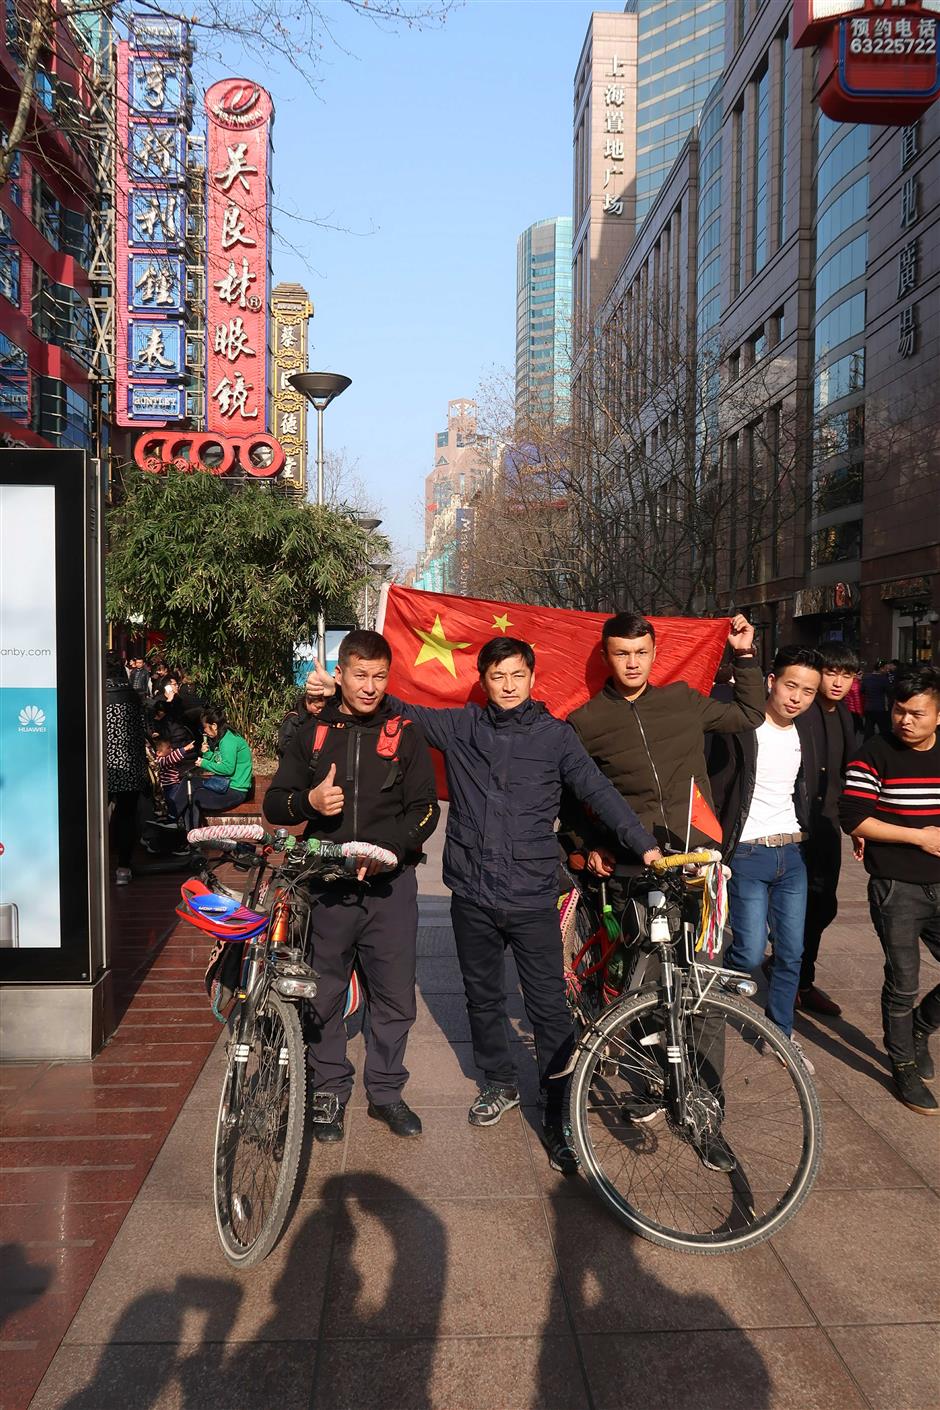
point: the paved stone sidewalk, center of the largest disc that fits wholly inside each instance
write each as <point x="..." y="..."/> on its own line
<point x="459" y="1273"/>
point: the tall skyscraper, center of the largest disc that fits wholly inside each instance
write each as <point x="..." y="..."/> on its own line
<point x="543" y="320"/>
<point x="680" y="53"/>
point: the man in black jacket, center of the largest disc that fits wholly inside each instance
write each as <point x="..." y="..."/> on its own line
<point x="827" y="739"/>
<point x="506" y="765"/>
<point x="361" y="773"/>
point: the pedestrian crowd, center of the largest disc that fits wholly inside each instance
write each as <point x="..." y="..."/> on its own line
<point x="786" y="764"/>
<point x="171" y="759"/>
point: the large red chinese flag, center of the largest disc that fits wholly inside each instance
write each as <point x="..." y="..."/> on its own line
<point x="435" y="639"/>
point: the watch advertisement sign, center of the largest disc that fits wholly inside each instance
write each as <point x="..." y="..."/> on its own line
<point x="30" y="909"/>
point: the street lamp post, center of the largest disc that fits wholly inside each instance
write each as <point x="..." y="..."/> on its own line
<point x="320" y="388"/>
<point x="377" y="568"/>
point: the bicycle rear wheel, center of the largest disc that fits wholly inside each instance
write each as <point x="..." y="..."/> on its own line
<point x="259" y="1133"/>
<point x="743" y="1081"/>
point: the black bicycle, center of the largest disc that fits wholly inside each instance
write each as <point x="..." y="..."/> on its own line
<point x="695" y="1119"/>
<point x="261" y="971"/>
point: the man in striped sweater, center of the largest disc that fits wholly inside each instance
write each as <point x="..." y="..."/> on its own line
<point x="891" y="801"/>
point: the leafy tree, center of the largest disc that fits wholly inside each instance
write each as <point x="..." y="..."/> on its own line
<point x="232" y="574"/>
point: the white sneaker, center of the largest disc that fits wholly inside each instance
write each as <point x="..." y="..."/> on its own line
<point x="122" y="876"/>
<point x="802" y="1056"/>
<point x="767" y="1051"/>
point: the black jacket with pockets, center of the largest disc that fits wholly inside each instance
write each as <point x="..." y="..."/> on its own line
<point x="505" y="771"/>
<point x="388" y="801"/>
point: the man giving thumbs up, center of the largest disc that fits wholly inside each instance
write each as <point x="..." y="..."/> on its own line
<point x="361" y="773"/>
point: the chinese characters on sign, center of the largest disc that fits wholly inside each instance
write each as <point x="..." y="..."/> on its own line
<point x="613" y="144"/>
<point x="877" y="66"/>
<point x="290" y="310"/>
<point x="150" y="226"/>
<point x="237" y="239"/>
<point x="909" y="253"/>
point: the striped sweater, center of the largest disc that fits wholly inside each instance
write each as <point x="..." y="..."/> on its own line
<point x="889" y="781"/>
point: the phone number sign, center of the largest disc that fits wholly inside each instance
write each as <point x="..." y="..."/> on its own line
<point x="878" y="59"/>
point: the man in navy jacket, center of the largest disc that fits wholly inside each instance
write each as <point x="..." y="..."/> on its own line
<point x="506" y="765"/>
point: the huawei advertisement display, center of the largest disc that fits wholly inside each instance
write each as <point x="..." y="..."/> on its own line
<point x="30" y="900"/>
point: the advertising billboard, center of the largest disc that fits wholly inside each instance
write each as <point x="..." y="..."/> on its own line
<point x="50" y="691"/>
<point x="152" y="103"/>
<point x="238" y="211"/>
<point x="30" y="905"/>
<point x="878" y="63"/>
<point x="290" y="311"/>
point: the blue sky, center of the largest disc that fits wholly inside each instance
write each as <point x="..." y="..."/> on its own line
<point x="436" y="148"/>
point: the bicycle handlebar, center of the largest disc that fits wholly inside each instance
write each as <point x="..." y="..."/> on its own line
<point x="683" y="859"/>
<point x="228" y="837"/>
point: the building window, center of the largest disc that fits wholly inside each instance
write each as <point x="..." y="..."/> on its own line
<point x="848" y="264"/>
<point x="760" y="177"/>
<point x="851" y="206"/>
<point x="844" y="157"/>
<point x="14" y="381"/>
<point x="737" y="186"/>
<point x="442" y="438"/>
<point x="839" y="379"/>
<point x="47" y="212"/>
<point x="836" y="544"/>
<point x="10" y="274"/>
<point x="845" y="321"/>
<point x="783" y="118"/>
<point x="838" y="488"/>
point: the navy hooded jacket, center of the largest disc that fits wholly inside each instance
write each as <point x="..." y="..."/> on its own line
<point x="505" y="773"/>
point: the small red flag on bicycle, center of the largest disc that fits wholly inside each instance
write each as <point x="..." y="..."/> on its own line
<point x="435" y="638"/>
<point x="701" y="816"/>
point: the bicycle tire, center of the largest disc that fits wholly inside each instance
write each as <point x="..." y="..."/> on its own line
<point x="657" y="1149"/>
<point x="251" y="1215"/>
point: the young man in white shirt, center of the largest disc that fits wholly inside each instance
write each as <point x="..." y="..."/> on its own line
<point x="761" y="796"/>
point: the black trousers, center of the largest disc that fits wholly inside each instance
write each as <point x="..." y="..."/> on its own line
<point x="822" y="853"/>
<point x="482" y="935"/>
<point x="904" y="913"/>
<point x="124" y="823"/>
<point x="379" y="926"/>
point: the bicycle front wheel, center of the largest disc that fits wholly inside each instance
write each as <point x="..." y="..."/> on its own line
<point x="259" y="1133"/>
<point x="744" y="1084"/>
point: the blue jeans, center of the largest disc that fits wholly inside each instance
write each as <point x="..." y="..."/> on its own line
<point x="769" y="884"/>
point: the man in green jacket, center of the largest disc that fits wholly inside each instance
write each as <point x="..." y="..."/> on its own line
<point x="649" y="740"/>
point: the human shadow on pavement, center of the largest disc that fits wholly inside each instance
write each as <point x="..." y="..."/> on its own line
<point x="21" y="1282"/>
<point x="368" y="1264"/>
<point x="842" y="1039"/>
<point x="641" y="1344"/>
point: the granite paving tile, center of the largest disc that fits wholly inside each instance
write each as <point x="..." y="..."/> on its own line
<point x="451" y="1158"/>
<point x="887" y="1246"/>
<point x="897" y="1368"/>
<point x="179" y="1377"/>
<point x="854" y="1157"/>
<point x="165" y="1279"/>
<point x="916" y="1138"/>
<point x="616" y="1281"/>
<point x="780" y="1369"/>
<point x="426" y="1268"/>
<point x="452" y="1373"/>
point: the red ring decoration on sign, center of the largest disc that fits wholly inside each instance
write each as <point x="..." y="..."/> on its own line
<point x="158" y="451"/>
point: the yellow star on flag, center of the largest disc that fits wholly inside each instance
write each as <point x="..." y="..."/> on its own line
<point x="437" y="648"/>
<point x="502" y="622"/>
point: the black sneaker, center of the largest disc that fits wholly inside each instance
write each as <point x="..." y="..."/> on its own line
<point x="556" y="1137"/>
<point x="327" y="1113"/>
<point x="911" y="1090"/>
<point x="495" y="1098"/>
<point x="398" y="1117"/>
<point x="922" y="1059"/>
<point x="714" y="1152"/>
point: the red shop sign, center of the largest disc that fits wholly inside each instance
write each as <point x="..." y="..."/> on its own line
<point x="259" y="455"/>
<point x="878" y="59"/>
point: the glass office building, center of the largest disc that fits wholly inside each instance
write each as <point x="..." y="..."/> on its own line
<point x="681" y="50"/>
<point x="543" y="320"/>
